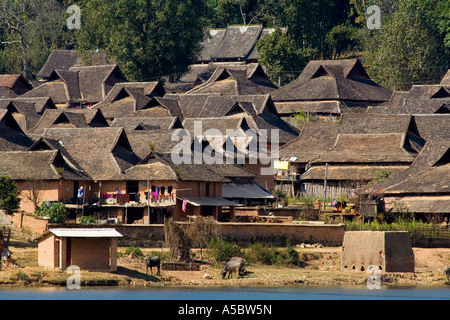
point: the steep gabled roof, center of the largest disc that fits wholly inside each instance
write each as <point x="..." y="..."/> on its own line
<point x="86" y="85"/>
<point x="66" y="59"/>
<point x="420" y="99"/>
<point x="343" y="80"/>
<point x="314" y="139"/>
<point x="12" y="136"/>
<point x="37" y="165"/>
<point x="231" y="80"/>
<point x="434" y="127"/>
<point x="103" y="153"/>
<point x="131" y="124"/>
<point x="15" y="82"/>
<point x="127" y="98"/>
<point x="428" y="174"/>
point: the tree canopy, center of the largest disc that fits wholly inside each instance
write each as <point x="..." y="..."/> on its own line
<point x="151" y="39"/>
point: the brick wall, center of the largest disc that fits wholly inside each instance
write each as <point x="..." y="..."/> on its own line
<point x="29" y="222"/>
<point x="276" y="233"/>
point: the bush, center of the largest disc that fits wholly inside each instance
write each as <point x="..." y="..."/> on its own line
<point x="134" y="252"/>
<point x="57" y="212"/>
<point x="87" y="220"/>
<point x="224" y="250"/>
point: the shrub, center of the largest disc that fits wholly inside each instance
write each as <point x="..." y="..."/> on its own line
<point x="57" y="212"/>
<point x="134" y="252"/>
<point x="224" y="250"/>
<point x="87" y="220"/>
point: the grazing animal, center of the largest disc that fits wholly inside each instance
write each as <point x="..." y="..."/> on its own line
<point x="235" y="264"/>
<point x="151" y="262"/>
<point x="447" y="272"/>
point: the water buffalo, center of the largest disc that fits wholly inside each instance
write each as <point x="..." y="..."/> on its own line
<point x="447" y="272"/>
<point x="151" y="262"/>
<point x="235" y="264"/>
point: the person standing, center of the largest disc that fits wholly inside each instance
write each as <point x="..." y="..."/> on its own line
<point x="80" y="196"/>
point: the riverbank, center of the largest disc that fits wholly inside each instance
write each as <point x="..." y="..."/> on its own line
<point x="322" y="268"/>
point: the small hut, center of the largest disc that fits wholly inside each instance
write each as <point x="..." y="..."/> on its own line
<point x="89" y="249"/>
<point x="390" y="251"/>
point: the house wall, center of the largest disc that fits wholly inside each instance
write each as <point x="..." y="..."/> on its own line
<point x="196" y="189"/>
<point x="91" y="253"/>
<point x="266" y="181"/>
<point x="47" y="255"/>
<point x="143" y="187"/>
<point x="48" y="191"/>
<point x="86" y="253"/>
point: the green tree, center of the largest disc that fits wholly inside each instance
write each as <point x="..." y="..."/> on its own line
<point x="9" y="195"/>
<point x="410" y="48"/>
<point x="279" y="54"/>
<point x="148" y="38"/>
<point x="29" y="28"/>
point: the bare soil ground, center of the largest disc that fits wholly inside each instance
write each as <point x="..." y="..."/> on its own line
<point x="323" y="268"/>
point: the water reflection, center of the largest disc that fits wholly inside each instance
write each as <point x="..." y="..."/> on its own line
<point x="265" y="293"/>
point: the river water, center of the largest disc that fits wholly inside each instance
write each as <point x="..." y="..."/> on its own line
<point x="226" y="293"/>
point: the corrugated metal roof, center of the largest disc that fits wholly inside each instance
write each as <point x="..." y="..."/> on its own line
<point x="85" y="233"/>
<point x="209" y="201"/>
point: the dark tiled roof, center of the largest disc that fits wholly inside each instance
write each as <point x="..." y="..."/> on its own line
<point x="343" y="80"/>
<point x="87" y="85"/>
<point x="37" y="165"/>
<point x="230" y="80"/>
<point x="103" y="153"/>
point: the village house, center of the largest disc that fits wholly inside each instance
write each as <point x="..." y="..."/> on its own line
<point x="124" y="99"/>
<point x="66" y="59"/>
<point x="420" y="99"/>
<point x="235" y="80"/>
<point x="27" y="111"/>
<point x="78" y="87"/>
<point x="329" y="88"/>
<point x="422" y="189"/>
<point x="363" y="146"/>
<point x="199" y="74"/>
<point x="232" y="44"/>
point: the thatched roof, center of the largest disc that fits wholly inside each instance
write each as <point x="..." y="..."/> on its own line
<point x="420" y="99"/>
<point x="12" y="137"/>
<point x="103" y="153"/>
<point x="66" y="59"/>
<point x="314" y="139"/>
<point x="38" y="165"/>
<point x="429" y="173"/>
<point x="131" y="124"/>
<point x="230" y="80"/>
<point x="79" y="85"/>
<point x="129" y="97"/>
<point x="15" y="82"/>
<point x="333" y="80"/>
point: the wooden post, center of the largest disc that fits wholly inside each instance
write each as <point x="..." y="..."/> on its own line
<point x="325" y="187"/>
